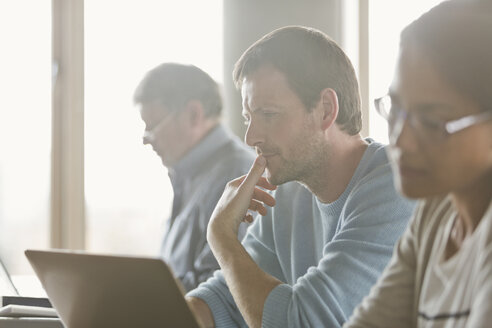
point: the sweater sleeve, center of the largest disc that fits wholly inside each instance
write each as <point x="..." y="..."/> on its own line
<point x="258" y="242"/>
<point x="390" y="302"/>
<point x="372" y="219"/>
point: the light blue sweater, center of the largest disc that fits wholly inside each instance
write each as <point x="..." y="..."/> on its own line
<point x="328" y="255"/>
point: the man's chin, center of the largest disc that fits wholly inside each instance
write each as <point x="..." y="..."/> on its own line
<point x="165" y="161"/>
<point x="274" y="178"/>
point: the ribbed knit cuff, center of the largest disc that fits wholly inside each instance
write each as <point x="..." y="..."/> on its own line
<point x="222" y="318"/>
<point x="276" y="307"/>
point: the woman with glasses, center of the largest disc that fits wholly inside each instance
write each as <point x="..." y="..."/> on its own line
<point x="439" y="111"/>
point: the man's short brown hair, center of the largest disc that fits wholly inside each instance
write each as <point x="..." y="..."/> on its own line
<point x="311" y="62"/>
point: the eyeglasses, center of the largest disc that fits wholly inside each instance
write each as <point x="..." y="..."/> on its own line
<point x="433" y="129"/>
<point x="149" y="136"/>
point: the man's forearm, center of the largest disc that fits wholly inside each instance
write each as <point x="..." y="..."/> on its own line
<point x="201" y="311"/>
<point x="248" y="284"/>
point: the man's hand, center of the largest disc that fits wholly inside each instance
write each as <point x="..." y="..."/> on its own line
<point x="248" y="284"/>
<point x="240" y="195"/>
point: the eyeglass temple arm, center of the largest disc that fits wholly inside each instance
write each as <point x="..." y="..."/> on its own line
<point x="464" y="122"/>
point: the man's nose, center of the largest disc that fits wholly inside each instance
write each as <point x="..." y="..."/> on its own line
<point x="146" y="140"/>
<point x="254" y="134"/>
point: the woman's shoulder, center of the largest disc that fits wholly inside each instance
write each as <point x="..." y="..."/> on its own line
<point x="437" y="206"/>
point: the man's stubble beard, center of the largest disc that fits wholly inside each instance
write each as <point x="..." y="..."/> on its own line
<point x="304" y="167"/>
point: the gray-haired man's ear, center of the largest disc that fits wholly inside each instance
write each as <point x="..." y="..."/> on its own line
<point x="195" y="112"/>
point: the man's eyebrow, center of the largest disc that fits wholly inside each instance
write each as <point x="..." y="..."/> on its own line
<point x="246" y="112"/>
<point x="266" y="108"/>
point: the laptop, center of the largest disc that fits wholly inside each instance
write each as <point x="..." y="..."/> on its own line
<point x="12" y="304"/>
<point x="6" y="285"/>
<point x="90" y="290"/>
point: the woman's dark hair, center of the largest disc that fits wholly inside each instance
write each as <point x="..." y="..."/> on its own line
<point x="456" y="36"/>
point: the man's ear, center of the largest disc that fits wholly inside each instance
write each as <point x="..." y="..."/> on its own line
<point x="195" y="113"/>
<point x="328" y="107"/>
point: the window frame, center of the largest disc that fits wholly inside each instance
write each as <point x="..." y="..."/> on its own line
<point x="67" y="222"/>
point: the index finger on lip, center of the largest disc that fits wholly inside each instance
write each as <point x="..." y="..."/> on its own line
<point x="254" y="173"/>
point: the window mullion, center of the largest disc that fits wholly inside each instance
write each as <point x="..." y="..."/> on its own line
<point x="67" y="172"/>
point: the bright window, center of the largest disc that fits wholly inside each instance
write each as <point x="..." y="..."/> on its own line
<point x="25" y="129"/>
<point x="386" y="20"/>
<point x="127" y="189"/>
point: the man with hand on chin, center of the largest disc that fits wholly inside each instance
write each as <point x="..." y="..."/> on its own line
<point x="308" y="260"/>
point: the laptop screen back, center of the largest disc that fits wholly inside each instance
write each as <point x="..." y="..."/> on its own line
<point x="111" y="291"/>
<point x="7" y="288"/>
